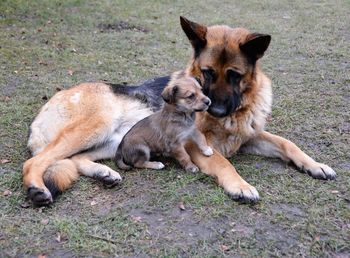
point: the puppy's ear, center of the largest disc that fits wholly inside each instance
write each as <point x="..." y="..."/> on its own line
<point x="195" y="33"/>
<point x="255" y="45"/>
<point x="198" y="80"/>
<point x="169" y="93"/>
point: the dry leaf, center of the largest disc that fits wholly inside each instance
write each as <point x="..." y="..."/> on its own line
<point x="7" y="193"/>
<point x="44" y="221"/>
<point x="25" y="205"/>
<point x="4" y="161"/>
<point x="224" y="248"/>
<point x="136" y="218"/>
<point x="58" y="237"/>
<point x="181" y="206"/>
<point x="334" y="192"/>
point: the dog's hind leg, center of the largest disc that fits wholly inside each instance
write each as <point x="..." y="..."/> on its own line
<point x="67" y="143"/>
<point x="270" y="145"/>
<point x="87" y="167"/>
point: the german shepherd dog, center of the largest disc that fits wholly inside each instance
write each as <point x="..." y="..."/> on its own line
<point x="168" y="130"/>
<point x="87" y="122"/>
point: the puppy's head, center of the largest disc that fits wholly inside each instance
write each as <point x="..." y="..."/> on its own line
<point x="225" y="61"/>
<point x="186" y="95"/>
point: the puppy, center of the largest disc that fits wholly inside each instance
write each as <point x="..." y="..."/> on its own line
<point x="167" y="131"/>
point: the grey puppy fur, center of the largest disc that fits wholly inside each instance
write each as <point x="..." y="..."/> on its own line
<point x="167" y="131"/>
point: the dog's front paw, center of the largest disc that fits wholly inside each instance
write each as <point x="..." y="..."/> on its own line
<point x="320" y="171"/>
<point x="208" y="151"/>
<point x="242" y="191"/>
<point x="192" y="168"/>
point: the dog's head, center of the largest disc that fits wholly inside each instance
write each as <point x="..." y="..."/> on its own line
<point x="225" y="62"/>
<point x="186" y="95"/>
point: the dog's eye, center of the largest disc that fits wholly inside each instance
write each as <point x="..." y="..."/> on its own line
<point x="208" y="73"/>
<point x="191" y="96"/>
<point x="233" y="76"/>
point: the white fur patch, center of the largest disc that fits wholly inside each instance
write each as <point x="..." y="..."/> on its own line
<point x="75" y="98"/>
<point x="208" y="151"/>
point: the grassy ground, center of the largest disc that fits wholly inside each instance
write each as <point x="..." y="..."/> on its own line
<point x="45" y="45"/>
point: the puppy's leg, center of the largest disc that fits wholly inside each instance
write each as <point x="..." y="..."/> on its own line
<point x="87" y="167"/>
<point x="139" y="157"/>
<point x="270" y="145"/>
<point x="150" y="164"/>
<point x="180" y="153"/>
<point x="201" y="142"/>
<point x="226" y="175"/>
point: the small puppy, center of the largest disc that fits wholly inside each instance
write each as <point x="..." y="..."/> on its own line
<point x="167" y="131"/>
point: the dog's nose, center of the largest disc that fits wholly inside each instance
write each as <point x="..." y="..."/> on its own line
<point x="207" y="101"/>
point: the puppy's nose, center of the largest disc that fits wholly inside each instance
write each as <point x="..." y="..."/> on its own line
<point x="207" y="101"/>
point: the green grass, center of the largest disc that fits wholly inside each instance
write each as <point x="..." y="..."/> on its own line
<point x="42" y="41"/>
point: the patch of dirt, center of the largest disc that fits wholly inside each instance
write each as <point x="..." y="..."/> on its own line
<point x="121" y="26"/>
<point x="288" y="210"/>
<point x="177" y="225"/>
<point x="9" y="86"/>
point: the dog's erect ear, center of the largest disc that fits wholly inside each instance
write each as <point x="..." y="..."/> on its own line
<point x="195" y="33"/>
<point x="255" y="45"/>
<point x="169" y="93"/>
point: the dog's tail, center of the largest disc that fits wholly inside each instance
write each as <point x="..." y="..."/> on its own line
<point x="60" y="176"/>
<point x="119" y="160"/>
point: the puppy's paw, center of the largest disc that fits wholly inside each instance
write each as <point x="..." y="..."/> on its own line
<point x="192" y="168"/>
<point x="157" y="165"/>
<point x="320" y="171"/>
<point x="208" y="151"/>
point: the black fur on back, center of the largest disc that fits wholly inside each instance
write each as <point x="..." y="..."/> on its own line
<point x="148" y="92"/>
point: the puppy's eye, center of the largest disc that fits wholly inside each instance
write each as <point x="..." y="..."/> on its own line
<point x="191" y="96"/>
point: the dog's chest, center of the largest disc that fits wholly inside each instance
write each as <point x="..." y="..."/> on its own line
<point x="227" y="134"/>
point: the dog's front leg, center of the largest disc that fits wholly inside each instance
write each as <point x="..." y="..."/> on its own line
<point x="227" y="177"/>
<point x="270" y="145"/>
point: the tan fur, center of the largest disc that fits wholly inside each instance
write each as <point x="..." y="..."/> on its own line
<point x="243" y="129"/>
<point x="87" y="122"/>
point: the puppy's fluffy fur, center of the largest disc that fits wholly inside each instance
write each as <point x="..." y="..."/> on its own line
<point x="167" y="131"/>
